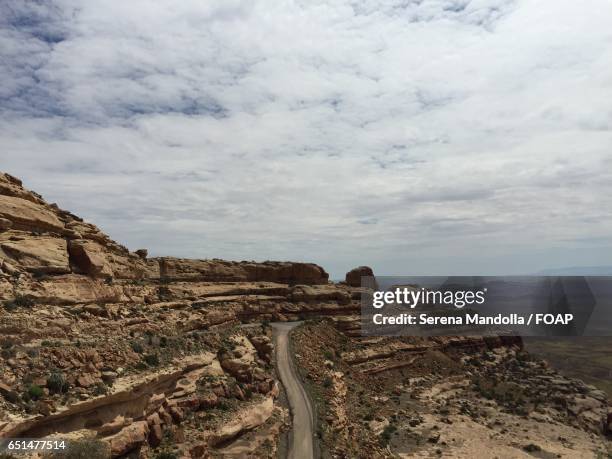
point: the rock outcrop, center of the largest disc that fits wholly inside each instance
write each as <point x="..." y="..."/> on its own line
<point x="353" y="277"/>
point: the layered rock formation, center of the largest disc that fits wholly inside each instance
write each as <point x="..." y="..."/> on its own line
<point x="40" y="238"/>
<point x="105" y="345"/>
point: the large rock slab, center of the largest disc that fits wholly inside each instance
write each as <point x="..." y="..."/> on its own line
<point x="129" y="438"/>
<point x="71" y="289"/>
<point x="181" y="269"/>
<point x="39" y="254"/>
<point x="29" y="216"/>
<point x="247" y="419"/>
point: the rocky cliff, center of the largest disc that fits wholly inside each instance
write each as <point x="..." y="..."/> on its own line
<point x="108" y="346"/>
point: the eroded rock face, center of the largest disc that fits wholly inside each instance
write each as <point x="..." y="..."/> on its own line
<point x="43" y="254"/>
<point x="37" y="237"/>
<point x="178" y="269"/>
<point x="353" y="277"/>
<point x="88" y="257"/>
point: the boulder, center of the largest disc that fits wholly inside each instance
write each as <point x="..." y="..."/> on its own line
<point x="240" y="360"/>
<point x="246" y="419"/>
<point x="264" y="346"/>
<point x="156" y="435"/>
<point x="88" y="257"/>
<point x="353" y="277"/>
<point x="129" y="438"/>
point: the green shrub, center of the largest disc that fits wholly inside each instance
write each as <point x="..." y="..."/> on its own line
<point x="327" y="382"/>
<point x="137" y="347"/>
<point x="34" y="392"/>
<point x="56" y="383"/>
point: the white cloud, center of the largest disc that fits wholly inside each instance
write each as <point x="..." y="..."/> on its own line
<point x="429" y="136"/>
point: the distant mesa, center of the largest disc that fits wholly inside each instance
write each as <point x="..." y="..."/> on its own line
<point x="578" y="271"/>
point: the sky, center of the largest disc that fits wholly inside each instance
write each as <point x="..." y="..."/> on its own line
<point x="414" y="136"/>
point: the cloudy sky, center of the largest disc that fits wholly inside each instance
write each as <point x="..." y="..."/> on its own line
<point x="417" y="136"/>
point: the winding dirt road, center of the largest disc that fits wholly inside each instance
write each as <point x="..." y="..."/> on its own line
<point x="301" y="439"/>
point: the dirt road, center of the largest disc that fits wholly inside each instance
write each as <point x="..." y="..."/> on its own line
<point x="301" y="438"/>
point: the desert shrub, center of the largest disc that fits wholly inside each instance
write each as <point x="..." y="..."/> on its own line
<point x="56" y="383"/>
<point x="137" y="347"/>
<point x="163" y="341"/>
<point x="329" y="355"/>
<point x="84" y="449"/>
<point x="385" y="436"/>
<point x="12" y="397"/>
<point x="223" y="406"/>
<point x="327" y="382"/>
<point x="8" y="353"/>
<point x="152" y="360"/>
<point x="166" y="455"/>
<point x="20" y="301"/>
<point x="100" y="389"/>
<point x="34" y="392"/>
<point x="32" y="353"/>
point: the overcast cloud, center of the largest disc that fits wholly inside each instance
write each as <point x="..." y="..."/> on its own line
<point x="420" y="137"/>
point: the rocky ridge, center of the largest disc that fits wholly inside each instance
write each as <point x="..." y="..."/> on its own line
<point x="141" y="355"/>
